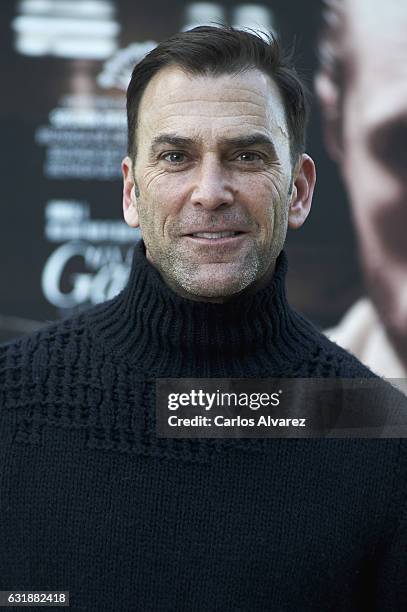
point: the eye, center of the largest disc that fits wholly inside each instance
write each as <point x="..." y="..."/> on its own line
<point x="174" y="157"/>
<point x="250" y="156"/>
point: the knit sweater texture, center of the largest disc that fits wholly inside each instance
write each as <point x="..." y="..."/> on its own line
<point x="94" y="502"/>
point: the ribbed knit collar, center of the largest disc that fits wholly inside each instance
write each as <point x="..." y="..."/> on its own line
<point x="150" y="324"/>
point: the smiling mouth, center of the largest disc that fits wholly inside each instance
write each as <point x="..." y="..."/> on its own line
<point x="215" y="235"/>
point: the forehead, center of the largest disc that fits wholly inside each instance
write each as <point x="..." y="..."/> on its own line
<point x="207" y="103"/>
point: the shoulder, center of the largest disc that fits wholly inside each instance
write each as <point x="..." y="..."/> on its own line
<point x="40" y="357"/>
<point x="360" y="396"/>
<point x="328" y="359"/>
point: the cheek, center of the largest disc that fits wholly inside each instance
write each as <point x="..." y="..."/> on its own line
<point x="164" y="188"/>
<point x="269" y="204"/>
<point x="161" y="196"/>
<point x="263" y="215"/>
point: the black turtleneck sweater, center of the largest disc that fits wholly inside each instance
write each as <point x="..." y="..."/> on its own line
<point x="93" y="502"/>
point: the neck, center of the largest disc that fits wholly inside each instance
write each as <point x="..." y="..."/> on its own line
<point x="169" y="335"/>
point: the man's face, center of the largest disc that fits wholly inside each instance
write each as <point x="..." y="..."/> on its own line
<point x="213" y="181"/>
<point x="374" y="158"/>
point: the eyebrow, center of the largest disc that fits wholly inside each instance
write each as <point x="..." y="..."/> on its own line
<point x="243" y="141"/>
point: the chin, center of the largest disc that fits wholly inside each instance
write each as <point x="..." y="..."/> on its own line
<point x="215" y="288"/>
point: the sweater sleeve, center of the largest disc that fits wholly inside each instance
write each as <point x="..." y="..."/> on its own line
<point x="391" y="587"/>
<point x="392" y="577"/>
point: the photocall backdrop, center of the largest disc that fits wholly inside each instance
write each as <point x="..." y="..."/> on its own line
<point x="65" y="66"/>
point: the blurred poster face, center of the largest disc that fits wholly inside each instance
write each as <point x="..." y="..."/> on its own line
<point x="362" y="86"/>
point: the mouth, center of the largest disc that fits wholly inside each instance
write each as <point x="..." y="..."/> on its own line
<point x="215" y="235"/>
<point x="216" y="238"/>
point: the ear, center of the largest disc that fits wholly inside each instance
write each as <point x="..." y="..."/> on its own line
<point x="302" y="190"/>
<point x="328" y="96"/>
<point x="130" y="212"/>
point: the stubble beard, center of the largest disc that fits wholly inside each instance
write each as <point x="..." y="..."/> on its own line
<point x="189" y="279"/>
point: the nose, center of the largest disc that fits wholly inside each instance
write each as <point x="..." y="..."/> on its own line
<point x="213" y="187"/>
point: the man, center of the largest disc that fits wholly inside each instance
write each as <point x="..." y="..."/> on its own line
<point x="362" y="88"/>
<point x="92" y="499"/>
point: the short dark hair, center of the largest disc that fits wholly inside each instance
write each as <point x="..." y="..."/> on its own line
<point x="216" y="50"/>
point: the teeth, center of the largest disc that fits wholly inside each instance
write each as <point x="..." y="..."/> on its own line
<point x="214" y="234"/>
